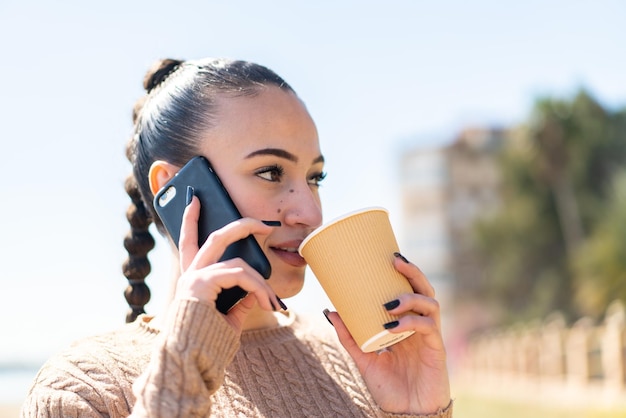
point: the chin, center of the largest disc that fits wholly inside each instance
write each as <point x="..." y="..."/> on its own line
<point x="287" y="285"/>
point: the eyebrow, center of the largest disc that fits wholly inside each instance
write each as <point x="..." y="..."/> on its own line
<point x="281" y="153"/>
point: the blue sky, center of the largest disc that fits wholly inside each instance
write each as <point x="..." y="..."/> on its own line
<point x="378" y="78"/>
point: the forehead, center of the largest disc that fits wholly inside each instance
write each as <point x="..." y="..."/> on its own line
<point x="273" y="118"/>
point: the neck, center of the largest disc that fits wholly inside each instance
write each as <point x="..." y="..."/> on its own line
<point x="259" y="319"/>
<point x="256" y="319"/>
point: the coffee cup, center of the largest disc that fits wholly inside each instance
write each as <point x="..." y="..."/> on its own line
<point x="352" y="259"/>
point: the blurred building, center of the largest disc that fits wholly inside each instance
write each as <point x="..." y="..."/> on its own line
<point x="443" y="191"/>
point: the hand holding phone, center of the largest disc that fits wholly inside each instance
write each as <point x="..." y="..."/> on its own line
<point x="216" y="211"/>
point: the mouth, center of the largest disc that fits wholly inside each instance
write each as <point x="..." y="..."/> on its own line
<point x="287" y="249"/>
<point x="288" y="253"/>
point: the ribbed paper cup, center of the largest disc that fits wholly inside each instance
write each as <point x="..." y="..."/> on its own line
<point x="352" y="258"/>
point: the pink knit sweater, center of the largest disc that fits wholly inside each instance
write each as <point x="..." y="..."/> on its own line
<point x="203" y="369"/>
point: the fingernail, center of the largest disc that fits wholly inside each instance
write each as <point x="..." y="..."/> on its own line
<point x="272" y="223"/>
<point x="282" y="304"/>
<point x="392" y="324"/>
<point x="326" y="312"/>
<point x="189" y="197"/>
<point x="401" y="257"/>
<point x="392" y="305"/>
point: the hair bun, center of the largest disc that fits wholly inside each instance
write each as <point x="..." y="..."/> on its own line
<point x="159" y="71"/>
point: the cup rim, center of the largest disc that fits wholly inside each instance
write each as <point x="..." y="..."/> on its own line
<point x="320" y="228"/>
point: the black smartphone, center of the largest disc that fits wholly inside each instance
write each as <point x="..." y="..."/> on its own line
<point x="217" y="210"/>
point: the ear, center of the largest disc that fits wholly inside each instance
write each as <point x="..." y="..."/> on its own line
<point x="160" y="173"/>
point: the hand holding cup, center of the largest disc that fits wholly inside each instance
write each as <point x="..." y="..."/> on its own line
<point x="352" y="258"/>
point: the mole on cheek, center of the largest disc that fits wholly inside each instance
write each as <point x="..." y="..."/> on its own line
<point x="279" y="210"/>
<point x="290" y="190"/>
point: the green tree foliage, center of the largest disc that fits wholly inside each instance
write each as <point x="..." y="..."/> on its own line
<point x="600" y="265"/>
<point x="557" y="181"/>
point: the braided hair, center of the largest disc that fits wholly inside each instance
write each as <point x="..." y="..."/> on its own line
<point x="169" y="124"/>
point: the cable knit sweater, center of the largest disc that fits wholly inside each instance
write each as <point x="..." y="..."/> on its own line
<point x="199" y="367"/>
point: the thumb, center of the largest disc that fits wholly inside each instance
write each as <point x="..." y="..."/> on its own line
<point x="345" y="338"/>
<point x="239" y="312"/>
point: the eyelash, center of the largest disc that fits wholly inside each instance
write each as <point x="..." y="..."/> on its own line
<point x="317" y="178"/>
<point x="276" y="172"/>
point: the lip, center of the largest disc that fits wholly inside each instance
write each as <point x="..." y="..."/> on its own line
<point x="290" y="256"/>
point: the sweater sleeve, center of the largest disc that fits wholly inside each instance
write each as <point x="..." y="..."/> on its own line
<point x="92" y="378"/>
<point x="442" y="413"/>
<point x="188" y="364"/>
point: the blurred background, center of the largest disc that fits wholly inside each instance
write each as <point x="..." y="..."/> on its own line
<point x="494" y="133"/>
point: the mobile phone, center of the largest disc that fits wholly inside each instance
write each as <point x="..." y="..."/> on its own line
<point x="217" y="210"/>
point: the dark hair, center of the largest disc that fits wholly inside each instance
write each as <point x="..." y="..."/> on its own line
<point x="169" y="124"/>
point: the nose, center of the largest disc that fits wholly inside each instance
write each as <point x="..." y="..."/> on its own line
<point x="303" y="207"/>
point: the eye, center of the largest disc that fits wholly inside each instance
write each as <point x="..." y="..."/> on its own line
<point x="317" y="178"/>
<point x="272" y="173"/>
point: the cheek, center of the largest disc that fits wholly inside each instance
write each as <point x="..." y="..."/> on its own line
<point x="260" y="206"/>
<point x="250" y="204"/>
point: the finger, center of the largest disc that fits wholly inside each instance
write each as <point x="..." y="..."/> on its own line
<point x="416" y="277"/>
<point x="188" y="240"/>
<point x="238" y="313"/>
<point x="241" y="310"/>
<point x="416" y="303"/>
<point x="217" y="242"/>
<point x="345" y="338"/>
<point x="423" y="325"/>
<point x="255" y="286"/>
<point x="207" y="283"/>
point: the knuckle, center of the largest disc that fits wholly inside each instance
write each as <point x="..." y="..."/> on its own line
<point x="435" y="304"/>
<point x="217" y="238"/>
<point x="431" y="289"/>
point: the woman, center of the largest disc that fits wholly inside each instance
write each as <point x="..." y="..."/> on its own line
<point x="258" y="359"/>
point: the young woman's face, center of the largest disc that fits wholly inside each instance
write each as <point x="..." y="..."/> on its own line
<point x="265" y="149"/>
